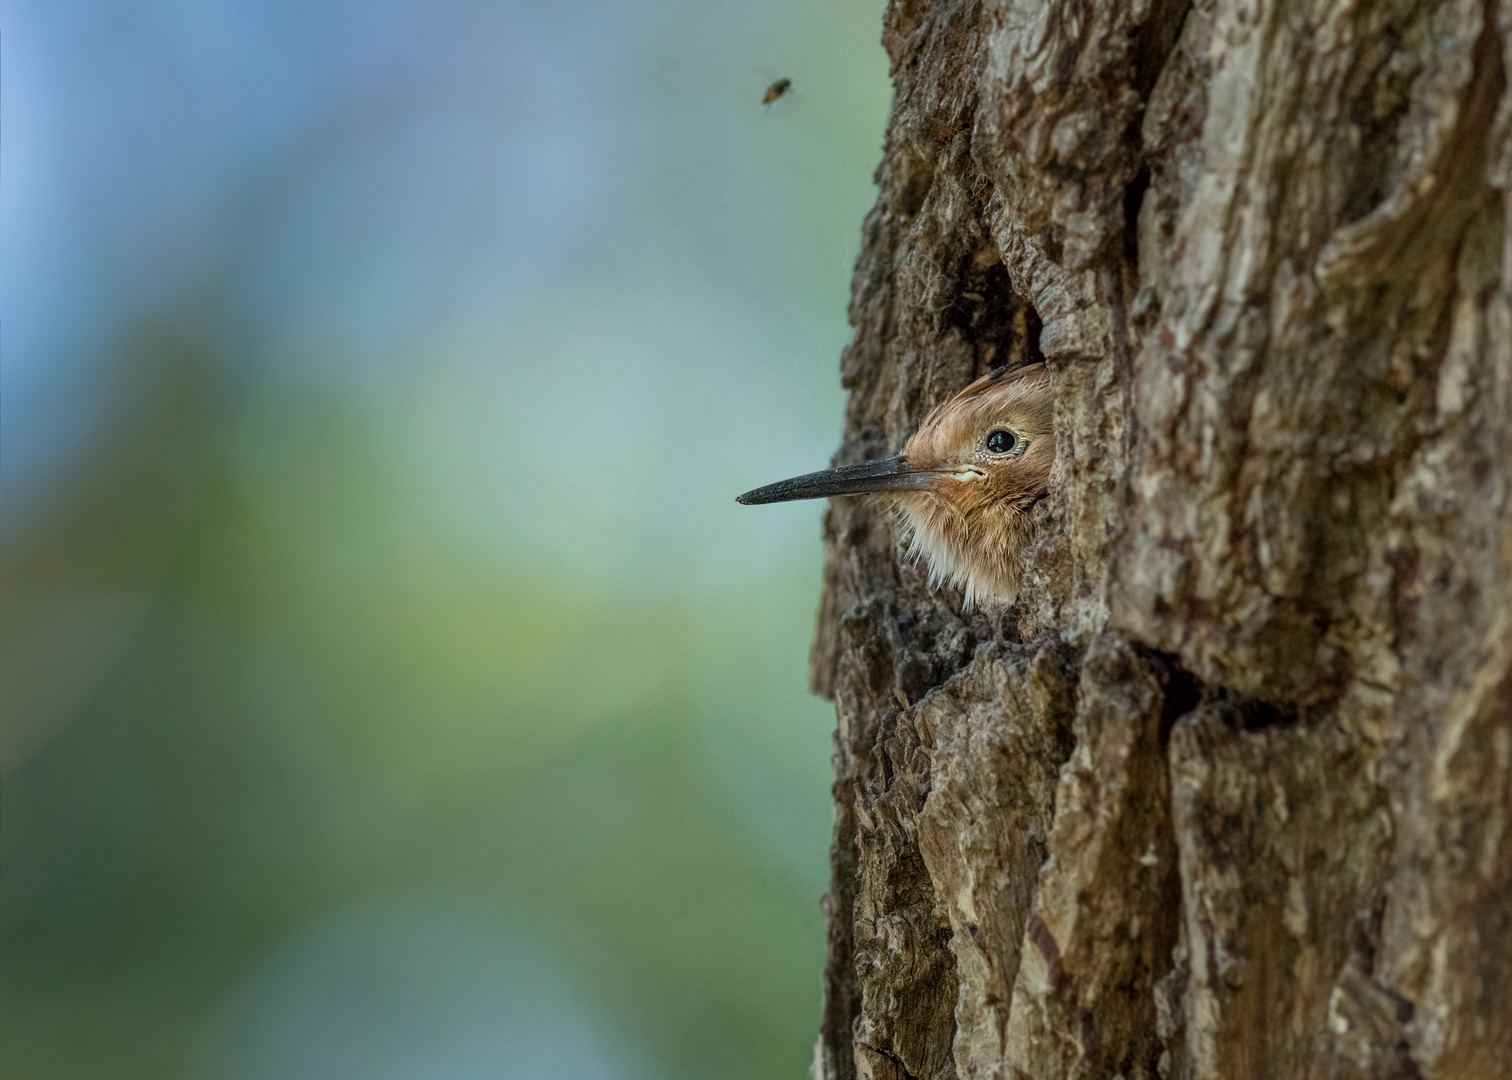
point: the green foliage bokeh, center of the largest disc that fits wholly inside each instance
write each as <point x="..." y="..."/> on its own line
<point x="410" y="706"/>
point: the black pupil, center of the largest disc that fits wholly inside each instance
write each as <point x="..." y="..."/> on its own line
<point x="1000" y="442"/>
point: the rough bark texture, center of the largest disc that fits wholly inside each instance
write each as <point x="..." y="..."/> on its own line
<point x="1229" y="793"/>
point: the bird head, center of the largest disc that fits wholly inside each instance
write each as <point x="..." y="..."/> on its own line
<point x="963" y="485"/>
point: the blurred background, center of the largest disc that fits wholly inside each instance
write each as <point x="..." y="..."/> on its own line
<point x="391" y="686"/>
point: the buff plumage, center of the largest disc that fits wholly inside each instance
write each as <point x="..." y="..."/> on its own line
<point x="964" y="484"/>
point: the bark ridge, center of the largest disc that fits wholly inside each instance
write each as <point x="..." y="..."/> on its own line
<point x="1228" y="793"/>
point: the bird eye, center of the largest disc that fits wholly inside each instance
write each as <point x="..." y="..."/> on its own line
<point x="1001" y="442"/>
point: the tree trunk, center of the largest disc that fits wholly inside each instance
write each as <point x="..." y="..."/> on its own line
<point x="1229" y="793"/>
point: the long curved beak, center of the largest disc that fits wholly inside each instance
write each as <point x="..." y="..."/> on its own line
<point x="862" y="478"/>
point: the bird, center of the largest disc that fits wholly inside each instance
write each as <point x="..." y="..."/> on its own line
<point x="964" y="484"/>
<point x="776" y="90"/>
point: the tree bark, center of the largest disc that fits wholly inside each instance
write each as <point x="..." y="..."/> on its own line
<point x="1228" y="793"/>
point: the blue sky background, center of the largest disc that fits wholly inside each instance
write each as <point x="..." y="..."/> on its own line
<point x="392" y="687"/>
